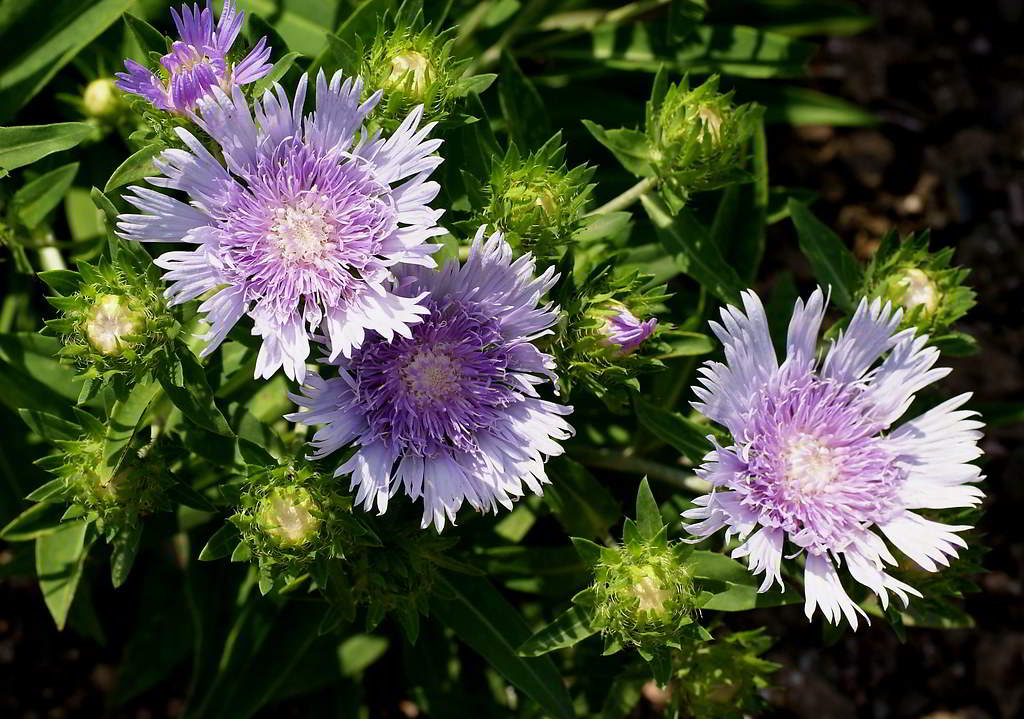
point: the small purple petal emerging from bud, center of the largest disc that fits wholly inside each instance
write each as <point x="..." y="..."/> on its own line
<point x="625" y="331"/>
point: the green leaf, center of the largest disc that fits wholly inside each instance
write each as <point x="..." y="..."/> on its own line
<point x="136" y="167"/>
<point x="742" y="597"/>
<point x="60" y="557"/>
<point x="682" y="434"/>
<point x="21" y="146"/>
<point x="569" y="629"/>
<point x="583" y="506"/>
<point x="715" y="565"/>
<point x="280" y="68"/>
<point x="149" y="38"/>
<point x="34" y="201"/>
<point x="687" y="344"/>
<point x="63" y="282"/>
<point x="648" y="516"/>
<point x="786" y="104"/>
<point x="360" y="651"/>
<point x="36" y="521"/>
<point x="53" y="488"/>
<point x="833" y="263"/>
<point x="589" y="552"/>
<point x="193" y="396"/>
<point x="33" y="49"/>
<point x="124" y="417"/>
<point x="526" y="118"/>
<point x="492" y="627"/>
<point x="49" y="427"/>
<point x="122" y="556"/>
<point x="693" y="250"/>
<point x="631" y="148"/>
<point x="221" y="544"/>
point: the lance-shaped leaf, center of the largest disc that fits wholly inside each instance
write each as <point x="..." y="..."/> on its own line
<point x="33" y="202"/>
<point x="191" y="393"/>
<point x="484" y="620"/>
<point x="833" y="263"/>
<point x="21" y="146"/>
<point x="648" y="516"/>
<point x="139" y="165"/>
<point x="569" y="629"/>
<point x="682" y="434"/>
<point x="583" y="506"/>
<point x="632" y="148"/>
<point x="60" y="557"/>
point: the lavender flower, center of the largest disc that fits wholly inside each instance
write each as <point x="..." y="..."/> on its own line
<point x="815" y="459"/>
<point x="303" y="228"/>
<point x="198" y="62"/>
<point x="624" y="331"/>
<point x="449" y="413"/>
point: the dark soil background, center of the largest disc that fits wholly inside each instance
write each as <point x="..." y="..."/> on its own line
<point x="945" y="78"/>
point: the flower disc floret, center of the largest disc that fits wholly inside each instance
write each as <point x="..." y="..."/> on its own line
<point x="817" y="458"/>
<point x="450" y="413"/>
<point x="303" y="228"/>
<point x="198" y="63"/>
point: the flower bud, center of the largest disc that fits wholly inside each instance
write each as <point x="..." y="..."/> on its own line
<point x="623" y="331"/>
<point x="109" y="322"/>
<point x="932" y="294"/>
<point x="643" y="594"/>
<point x="535" y="200"/>
<point x="102" y="99"/>
<point x="286" y="515"/>
<point x="699" y="137"/>
<point x="411" y="73"/>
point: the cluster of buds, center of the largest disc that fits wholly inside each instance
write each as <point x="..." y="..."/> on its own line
<point x="932" y="293"/>
<point x="535" y="200"/>
<point x="609" y="337"/>
<point x="724" y="677"/>
<point x="113" y="321"/>
<point x="411" y="65"/>
<point x="699" y="139"/>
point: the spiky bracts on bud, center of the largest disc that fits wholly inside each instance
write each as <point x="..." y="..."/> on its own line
<point x="700" y="138"/>
<point x="412" y="65"/>
<point x="115" y="494"/>
<point x="723" y="678"/>
<point x="594" y="347"/>
<point x="931" y="293"/>
<point x="113" y="320"/>
<point x="290" y="517"/>
<point x="535" y="200"/>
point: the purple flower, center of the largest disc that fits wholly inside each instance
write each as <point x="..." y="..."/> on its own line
<point x="198" y="62"/>
<point x="816" y="459"/>
<point x="624" y="331"/>
<point x="303" y="228"/>
<point x="449" y="413"/>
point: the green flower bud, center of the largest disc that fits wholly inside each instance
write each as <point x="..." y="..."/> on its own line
<point x="286" y="514"/>
<point x="699" y="138"/>
<point x="102" y="99"/>
<point x="412" y="65"/>
<point x="931" y="293"/>
<point x="114" y="322"/>
<point x="535" y="200"/>
<point x="643" y="595"/>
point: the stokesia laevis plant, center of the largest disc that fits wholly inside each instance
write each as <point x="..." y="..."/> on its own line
<point x="816" y="459"/>
<point x="303" y="227"/>
<point x="449" y="413"/>
<point x="198" y="62"/>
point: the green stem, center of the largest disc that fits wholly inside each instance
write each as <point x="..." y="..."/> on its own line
<point x="627" y="198"/>
<point x="610" y="459"/>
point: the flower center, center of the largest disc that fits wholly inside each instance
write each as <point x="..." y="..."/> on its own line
<point x="809" y="465"/>
<point x="301" y="233"/>
<point x="431" y="375"/>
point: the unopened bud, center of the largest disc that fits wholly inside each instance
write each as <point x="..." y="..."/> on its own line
<point x="918" y="291"/>
<point x="411" y="71"/>
<point x="286" y="515"/>
<point x="109" y="321"/>
<point x="101" y="98"/>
